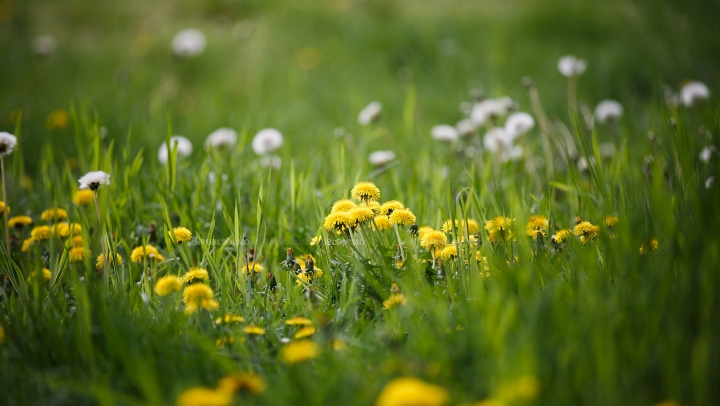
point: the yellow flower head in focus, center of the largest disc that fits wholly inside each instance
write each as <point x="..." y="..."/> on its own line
<point x="298" y="321"/>
<point x="254" y="330"/>
<point x="40" y="233"/>
<point x="402" y="217"/>
<point x="83" y="198"/>
<point x="167" y="285"/>
<point x="433" y="240"/>
<point x="182" y="234"/>
<point x="139" y="253"/>
<point x="561" y="236"/>
<point x="239" y="383"/>
<point x="196" y="274"/>
<point x="498" y="229"/>
<point x="365" y="191"/>
<point x="304" y="332"/>
<point x="63" y="230"/>
<point x="76" y="254"/>
<point x="20" y="221"/>
<point x="361" y="215"/>
<point x="423" y="230"/>
<point x="411" y="391"/>
<point x="586" y="231"/>
<point x="201" y="396"/>
<point x="198" y="295"/>
<point x="100" y="261"/>
<point x="382" y="223"/>
<point x="372" y="205"/>
<point x="536" y="225"/>
<point x="390" y="206"/>
<point x="339" y="221"/>
<point x="56" y="214"/>
<point x="299" y="351"/>
<point x="449" y="252"/>
<point x="343" y="205"/>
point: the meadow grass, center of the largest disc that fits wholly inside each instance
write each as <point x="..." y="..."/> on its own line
<point x="521" y="320"/>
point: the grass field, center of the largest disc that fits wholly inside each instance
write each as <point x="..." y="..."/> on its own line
<point x="571" y="260"/>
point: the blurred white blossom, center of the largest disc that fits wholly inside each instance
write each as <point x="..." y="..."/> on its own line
<point x="608" y="110"/>
<point x="444" y="132"/>
<point x="517" y="124"/>
<point x="7" y="143"/>
<point x="220" y="138"/>
<point x="188" y="43"/>
<point x="267" y="140"/>
<point x="380" y="158"/>
<point x="694" y="92"/>
<point x="44" y="45"/>
<point x="370" y="113"/>
<point x="497" y="140"/>
<point x="706" y="154"/>
<point x="184" y="148"/>
<point x="465" y="127"/>
<point x="571" y="66"/>
<point x="489" y="109"/>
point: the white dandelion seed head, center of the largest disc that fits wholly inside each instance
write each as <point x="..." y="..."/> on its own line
<point x="694" y="92"/>
<point x="445" y="133"/>
<point x="380" y="158"/>
<point x="94" y="180"/>
<point x="608" y="110"/>
<point x="583" y="164"/>
<point x="184" y="148"/>
<point x="188" y="43"/>
<point x="518" y="124"/>
<point x="370" y="113"/>
<point x="220" y="138"/>
<point x="44" y="45"/>
<point x="706" y="154"/>
<point x="607" y="150"/>
<point x="488" y="109"/>
<point x="272" y="161"/>
<point x="571" y="66"/>
<point x="497" y="140"/>
<point x="465" y="127"/>
<point x="513" y="153"/>
<point x="267" y="140"/>
<point x="7" y="143"/>
<point x="709" y="182"/>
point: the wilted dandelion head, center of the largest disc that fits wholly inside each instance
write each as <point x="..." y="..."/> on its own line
<point x="55" y="214"/>
<point x="94" y="180"/>
<point x="433" y="239"/>
<point x="198" y="295"/>
<point x="402" y="217"/>
<point x="148" y="251"/>
<point x="222" y="137"/>
<point x="188" y="43"/>
<point x="20" y="221"/>
<point x="83" y="198"/>
<point x="183" y="146"/>
<point x="571" y="66"/>
<point x="299" y="351"/>
<point x="518" y="124"/>
<point x="361" y="214"/>
<point x="445" y="133"/>
<point x="266" y="141"/>
<point x="390" y="206"/>
<point x="365" y="191"/>
<point x="343" y="205"/>
<point x="382" y="223"/>
<point x="7" y="143"/>
<point x="239" y="383"/>
<point x="181" y="234"/>
<point x="195" y="274"/>
<point x="370" y="113"/>
<point x="411" y="391"/>
<point x="380" y="158"/>
<point x="338" y="220"/>
<point x="608" y="110"/>
<point x="693" y="92"/>
<point x="167" y="285"/>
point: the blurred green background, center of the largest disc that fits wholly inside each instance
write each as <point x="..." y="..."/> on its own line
<point x="307" y="67"/>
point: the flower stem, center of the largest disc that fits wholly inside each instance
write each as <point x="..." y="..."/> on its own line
<point x="102" y="239"/>
<point x="402" y="251"/>
<point x="5" y="208"/>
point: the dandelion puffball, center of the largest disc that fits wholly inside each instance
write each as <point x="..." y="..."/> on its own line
<point x="513" y="153"/>
<point x="518" y="124"/>
<point x="488" y="109"/>
<point x="694" y="92"/>
<point x="7" y="143"/>
<point x="608" y="110"/>
<point x="706" y="154"/>
<point x="93" y="180"/>
<point x="380" y="158"/>
<point x="184" y="148"/>
<point x="571" y="66"/>
<point x="220" y="138"/>
<point x="188" y="43"/>
<point x="370" y="113"/>
<point x="465" y="127"/>
<point x="44" y="45"/>
<point x="444" y="132"/>
<point x="266" y="141"/>
<point x="496" y="140"/>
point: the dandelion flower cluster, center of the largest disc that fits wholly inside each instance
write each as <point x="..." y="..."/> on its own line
<point x="266" y="141"/>
<point x="222" y="137"/>
<point x="40" y="233"/>
<point x="201" y="396"/>
<point x="586" y="231"/>
<point x="343" y="205"/>
<point x="561" y="236"/>
<point x="188" y="43"/>
<point x="304" y="332"/>
<point x="244" y="382"/>
<point x="608" y="110"/>
<point x="76" y="254"/>
<point x="650" y="246"/>
<point x="571" y="66"/>
<point x="298" y="321"/>
<point x="254" y="330"/>
<point x="382" y="223"/>
<point x="229" y="318"/>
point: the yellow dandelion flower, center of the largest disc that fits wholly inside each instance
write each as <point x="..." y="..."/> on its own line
<point x="20" y="221"/>
<point x="196" y="274"/>
<point x="361" y="215"/>
<point x="167" y="285"/>
<point x="252" y="266"/>
<point x="40" y="233"/>
<point x="76" y="254"/>
<point x="77" y="241"/>
<point x="304" y="332"/>
<point x="471" y="225"/>
<point x="338" y="220"/>
<point x="587" y="231"/>
<point x="449" y="252"/>
<point x="2" y="208"/>
<point x="57" y="119"/>
<point x="299" y="351"/>
<point x="411" y="391"/>
<point x="316" y="240"/>
<point x="201" y="396"/>
<point x="222" y="342"/>
<point x="139" y="253"/>
<point x="64" y="230"/>
<point x="198" y="295"/>
<point x="298" y="321"/>
<point x="365" y="191"/>
<point x="649" y="246"/>
<point x="254" y="330"/>
<point x="611" y="220"/>
<point x="339" y="345"/>
<point x="402" y="217"/>
<point x="83" y="197"/>
<point x="239" y="383"/>
<point x="100" y="261"/>
<point x="395" y="299"/>
<point x="372" y="205"/>
<point x="47" y="275"/>
<point x="423" y="230"/>
<point x="498" y="229"/>
<point x="388" y="207"/>
<point x="343" y="205"/>
<point x="523" y="389"/>
<point x="229" y="318"/>
<point x="382" y="223"/>
<point x="433" y="240"/>
<point x="536" y="225"/>
<point x="27" y="244"/>
<point x="447" y="226"/>
<point x="182" y="234"/>
<point x="561" y="236"/>
<point x="55" y="214"/>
